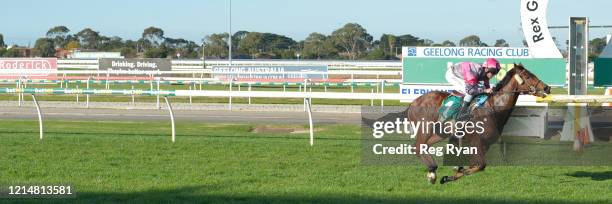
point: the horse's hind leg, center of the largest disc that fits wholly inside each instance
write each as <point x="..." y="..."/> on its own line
<point x="462" y="172"/>
<point x="457" y="142"/>
<point x="477" y="164"/>
<point x="427" y="159"/>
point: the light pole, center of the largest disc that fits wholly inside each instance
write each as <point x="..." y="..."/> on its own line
<point x="230" y="33"/>
<point x="203" y="57"/>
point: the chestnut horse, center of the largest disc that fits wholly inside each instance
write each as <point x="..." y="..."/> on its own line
<point x="496" y="110"/>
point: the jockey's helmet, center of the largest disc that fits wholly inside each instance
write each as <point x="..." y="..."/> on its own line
<point x="491" y="65"/>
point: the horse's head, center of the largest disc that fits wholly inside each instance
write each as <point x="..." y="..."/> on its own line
<point x="528" y="83"/>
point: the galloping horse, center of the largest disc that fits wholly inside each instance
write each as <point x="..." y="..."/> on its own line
<point x="496" y="110"/>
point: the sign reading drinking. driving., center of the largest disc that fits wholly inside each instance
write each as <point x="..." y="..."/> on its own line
<point x="135" y="64"/>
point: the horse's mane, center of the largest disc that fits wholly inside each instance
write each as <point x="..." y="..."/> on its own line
<point x="508" y="77"/>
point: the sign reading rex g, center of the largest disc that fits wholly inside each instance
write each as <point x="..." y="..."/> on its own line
<point x="27" y="67"/>
<point x="535" y="29"/>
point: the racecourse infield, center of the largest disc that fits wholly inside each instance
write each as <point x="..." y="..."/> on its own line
<point x="129" y="161"/>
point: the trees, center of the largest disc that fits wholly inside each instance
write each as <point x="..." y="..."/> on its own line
<point x="377" y="54"/>
<point x="596" y="46"/>
<point x="128" y="52"/>
<point x="215" y="45"/>
<point x="110" y="43"/>
<point x="186" y="48"/>
<point x="279" y="46"/>
<point x="72" y="45"/>
<point x="389" y="43"/>
<point x="237" y="50"/>
<point x="448" y="43"/>
<point x="252" y="44"/>
<point x="158" y="52"/>
<point x="2" y="45"/>
<point x="153" y="36"/>
<point x="353" y="39"/>
<point x="59" y="35"/>
<point x="471" y="41"/>
<point x="12" y="53"/>
<point x="501" y="43"/>
<point x="44" y="47"/>
<point x="88" y="38"/>
<point x="264" y="45"/>
<point x="314" y="46"/>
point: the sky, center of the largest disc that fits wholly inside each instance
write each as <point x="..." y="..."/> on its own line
<point x="24" y="21"/>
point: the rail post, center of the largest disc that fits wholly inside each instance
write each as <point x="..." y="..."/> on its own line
<point x="158" y="107"/>
<point x="230" y="97"/>
<point x="382" y="91"/>
<point x="305" y="90"/>
<point x="40" y="117"/>
<point x="77" y="95"/>
<point x="133" y="97"/>
<point x="190" y="98"/>
<point x="87" y="96"/>
<point x="372" y="100"/>
<point x="171" y="118"/>
<point x="19" y="95"/>
<point x="308" y="107"/>
<point x="310" y="123"/>
<point x="249" y="92"/>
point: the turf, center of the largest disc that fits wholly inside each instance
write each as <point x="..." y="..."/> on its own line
<point x="136" y="162"/>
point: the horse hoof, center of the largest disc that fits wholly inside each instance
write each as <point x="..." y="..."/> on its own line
<point x="431" y="177"/>
<point x="444" y="179"/>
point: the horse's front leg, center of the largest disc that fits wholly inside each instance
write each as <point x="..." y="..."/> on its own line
<point x="427" y="159"/>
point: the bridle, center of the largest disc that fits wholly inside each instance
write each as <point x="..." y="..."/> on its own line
<point x="531" y="89"/>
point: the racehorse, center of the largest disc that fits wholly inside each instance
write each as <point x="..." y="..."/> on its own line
<point x="496" y="110"/>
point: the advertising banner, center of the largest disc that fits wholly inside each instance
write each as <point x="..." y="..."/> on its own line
<point x="535" y="29"/>
<point x="411" y="92"/>
<point x="466" y="52"/>
<point x="271" y="72"/>
<point x="27" y="67"/>
<point x="424" y="70"/>
<point x="148" y="64"/>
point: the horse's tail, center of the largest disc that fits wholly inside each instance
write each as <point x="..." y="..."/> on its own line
<point x="388" y="117"/>
<point x="393" y="116"/>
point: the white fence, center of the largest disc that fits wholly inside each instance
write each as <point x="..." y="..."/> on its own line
<point x="305" y="94"/>
<point x="197" y="64"/>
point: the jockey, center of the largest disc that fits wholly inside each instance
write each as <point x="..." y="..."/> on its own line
<point x="465" y="77"/>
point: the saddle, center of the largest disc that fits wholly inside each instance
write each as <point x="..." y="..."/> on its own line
<point x="452" y="103"/>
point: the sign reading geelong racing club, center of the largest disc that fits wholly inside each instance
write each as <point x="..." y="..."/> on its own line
<point x="467" y="52"/>
<point x="152" y="64"/>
